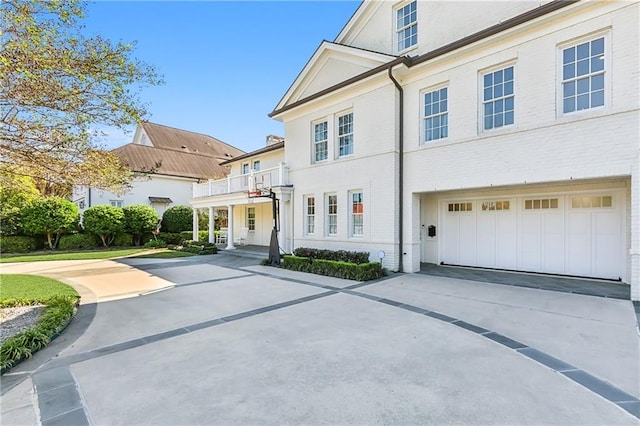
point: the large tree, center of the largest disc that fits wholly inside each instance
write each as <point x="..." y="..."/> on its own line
<point x="57" y="87"/>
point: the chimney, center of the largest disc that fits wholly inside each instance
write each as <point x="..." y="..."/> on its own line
<point x="271" y="139"/>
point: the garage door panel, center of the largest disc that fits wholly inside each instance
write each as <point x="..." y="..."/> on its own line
<point x="553" y="242"/>
<point x="608" y="237"/>
<point x="467" y="249"/>
<point x="486" y="243"/>
<point x="507" y="240"/>
<point x="573" y="234"/>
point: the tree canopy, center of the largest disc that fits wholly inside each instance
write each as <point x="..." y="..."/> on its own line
<point x="58" y="87"/>
<point x="51" y="216"/>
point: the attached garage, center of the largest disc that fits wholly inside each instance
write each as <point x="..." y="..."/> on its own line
<point x="581" y="234"/>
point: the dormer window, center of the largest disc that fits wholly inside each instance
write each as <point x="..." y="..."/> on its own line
<point x="407" y="26"/>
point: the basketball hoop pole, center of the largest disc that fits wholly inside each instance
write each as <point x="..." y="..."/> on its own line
<point x="274" y="246"/>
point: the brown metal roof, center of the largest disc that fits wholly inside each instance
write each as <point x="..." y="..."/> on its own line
<point x="268" y="148"/>
<point x="185" y="141"/>
<point x="141" y="158"/>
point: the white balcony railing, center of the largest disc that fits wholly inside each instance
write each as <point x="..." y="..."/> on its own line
<point x="276" y="176"/>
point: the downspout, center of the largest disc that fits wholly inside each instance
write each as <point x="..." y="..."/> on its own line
<point x="400" y="170"/>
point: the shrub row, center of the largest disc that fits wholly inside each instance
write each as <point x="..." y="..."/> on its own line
<point x="188" y="236"/>
<point x="56" y="316"/>
<point x="19" y="244"/>
<point x="337" y="255"/>
<point x="334" y="268"/>
<point x="197" y="247"/>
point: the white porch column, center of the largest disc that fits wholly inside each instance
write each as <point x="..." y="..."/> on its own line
<point x="212" y="235"/>
<point x="283" y="238"/>
<point x="195" y="224"/>
<point x="230" y="245"/>
<point x="411" y="233"/>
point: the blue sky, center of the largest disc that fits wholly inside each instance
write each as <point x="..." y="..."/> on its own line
<point x="225" y="64"/>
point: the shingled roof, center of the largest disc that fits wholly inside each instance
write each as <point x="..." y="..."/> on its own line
<point x="177" y="152"/>
<point x="185" y="141"/>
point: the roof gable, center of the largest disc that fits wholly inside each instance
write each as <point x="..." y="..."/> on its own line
<point x="331" y="64"/>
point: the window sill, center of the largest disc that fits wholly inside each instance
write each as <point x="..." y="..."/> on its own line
<point x="407" y="50"/>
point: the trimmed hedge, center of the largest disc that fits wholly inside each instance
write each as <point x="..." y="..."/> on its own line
<point x="19" y="244"/>
<point x="203" y="236"/>
<point x="334" y="268"/>
<point x="171" y="237"/>
<point x="77" y="241"/>
<point x="197" y="247"/>
<point x="337" y="255"/>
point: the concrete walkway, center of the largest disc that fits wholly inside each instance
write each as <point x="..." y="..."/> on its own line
<point x="225" y="341"/>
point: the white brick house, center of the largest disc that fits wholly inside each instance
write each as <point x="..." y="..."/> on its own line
<point x="490" y="134"/>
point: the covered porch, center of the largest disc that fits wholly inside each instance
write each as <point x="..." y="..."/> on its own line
<point x="245" y="222"/>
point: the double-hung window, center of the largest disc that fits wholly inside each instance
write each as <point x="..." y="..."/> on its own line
<point x="320" y="141"/>
<point x="583" y="70"/>
<point x="332" y="214"/>
<point x="407" y="26"/>
<point x="357" y="214"/>
<point x="345" y="134"/>
<point x="251" y="218"/>
<point x="436" y="117"/>
<point x="256" y="166"/>
<point x="116" y="203"/>
<point x="498" y="98"/>
<point x="310" y="216"/>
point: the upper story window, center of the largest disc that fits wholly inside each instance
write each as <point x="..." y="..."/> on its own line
<point x="407" y="26"/>
<point x="320" y="141"/>
<point x="436" y="117"/>
<point x="583" y="70"/>
<point x="498" y="98"/>
<point x="256" y="166"/>
<point x="345" y="134"/>
<point x="245" y="168"/>
<point x="116" y="203"/>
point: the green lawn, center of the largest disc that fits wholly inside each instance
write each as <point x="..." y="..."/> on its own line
<point x="165" y="254"/>
<point x="76" y="255"/>
<point x="19" y="290"/>
<point x="31" y="289"/>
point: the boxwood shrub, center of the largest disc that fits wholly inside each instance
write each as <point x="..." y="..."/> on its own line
<point x="19" y="244"/>
<point x="203" y="236"/>
<point x="334" y="268"/>
<point x="338" y="255"/>
<point x="198" y="247"/>
<point x="170" y="237"/>
<point x="78" y="241"/>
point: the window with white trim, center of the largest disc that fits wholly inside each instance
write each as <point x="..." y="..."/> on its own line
<point x="332" y="214"/>
<point x="498" y="98"/>
<point x="460" y="207"/>
<point x="245" y="171"/>
<point x="345" y="134"/>
<point x="542" y="203"/>
<point x="116" y="203"/>
<point x="357" y="214"/>
<point x="407" y="26"/>
<point x="435" y="117"/>
<point x="256" y="166"/>
<point x="310" y="215"/>
<point x="583" y="72"/>
<point x="251" y="218"/>
<point x="320" y="141"/>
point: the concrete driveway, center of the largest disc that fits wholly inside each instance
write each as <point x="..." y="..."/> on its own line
<point x="220" y="340"/>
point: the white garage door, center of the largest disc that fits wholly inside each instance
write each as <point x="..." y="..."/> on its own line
<point x="573" y="234"/>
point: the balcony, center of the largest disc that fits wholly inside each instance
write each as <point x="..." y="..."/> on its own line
<point x="267" y="178"/>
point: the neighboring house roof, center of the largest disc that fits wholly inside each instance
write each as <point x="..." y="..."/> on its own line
<point x="408" y="61"/>
<point x="185" y="141"/>
<point x="141" y="158"/>
<point x="268" y="148"/>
